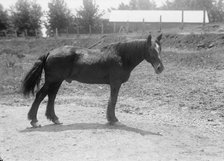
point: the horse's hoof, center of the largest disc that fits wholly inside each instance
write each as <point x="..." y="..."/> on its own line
<point x="113" y="122"/>
<point x="57" y="122"/>
<point x="35" y="124"/>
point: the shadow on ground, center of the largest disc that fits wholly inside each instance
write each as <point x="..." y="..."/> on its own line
<point x="89" y="126"/>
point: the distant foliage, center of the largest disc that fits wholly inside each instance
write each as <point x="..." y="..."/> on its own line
<point x="138" y="5"/>
<point x="214" y="7"/>
<point x="26" y="16"/>
<point x="59" y="16"/>
<point x="89" y="15"/>
<point x="123" y="6"/>
<point x="4" y="18"/>
<point x="190" y="4"/>
<point x="217" y="12"/>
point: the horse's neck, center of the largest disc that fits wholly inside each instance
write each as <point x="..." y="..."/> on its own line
<point x="133" y="54"/>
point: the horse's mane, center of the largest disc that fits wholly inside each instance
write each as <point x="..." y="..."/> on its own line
<point x="125" y="45"/>
<point x="129" y="50"/>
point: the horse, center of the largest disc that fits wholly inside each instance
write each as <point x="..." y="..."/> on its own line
<point x="111" y="65"/>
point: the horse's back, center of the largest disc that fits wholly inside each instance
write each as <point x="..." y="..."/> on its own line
<point x="84" y="65"/>
<point x="62" y="51"/>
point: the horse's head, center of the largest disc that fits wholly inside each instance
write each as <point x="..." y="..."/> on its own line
<point x="153" y="53"/>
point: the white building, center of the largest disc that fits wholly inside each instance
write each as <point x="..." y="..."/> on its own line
<point x="165" y="16"/>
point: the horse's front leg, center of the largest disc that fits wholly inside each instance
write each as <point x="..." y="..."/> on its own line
<point x="114" y="89"/>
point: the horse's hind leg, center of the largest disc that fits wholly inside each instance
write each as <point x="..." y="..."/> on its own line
<point x="52" y="92"/>
<point x="32" y="114"/>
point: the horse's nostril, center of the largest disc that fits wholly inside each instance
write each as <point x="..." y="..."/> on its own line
<point x="159" y="68"/>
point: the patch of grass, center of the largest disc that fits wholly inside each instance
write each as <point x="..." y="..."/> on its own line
<point x="203" y="59"/>
<point x="10" y="69"/>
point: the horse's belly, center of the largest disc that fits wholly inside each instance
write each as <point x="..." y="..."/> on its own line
<point x="91" y="74"/>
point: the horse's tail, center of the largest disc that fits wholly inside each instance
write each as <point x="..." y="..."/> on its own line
<point x="33" y="77"/>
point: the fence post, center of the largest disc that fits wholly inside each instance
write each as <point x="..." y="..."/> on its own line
<point x="160" y="23"/>
<point x="102" y="28"/>
<point x="5" y="32"/>
<point x="90" y="29"/>
<point x="182" y="20"/>
<point x="56" y="32"/>
<point x="26" y="34"/>
<point x="77" y="30"/>
<point x="67" y="32"/>
<point x="203" y="17"/>
<point x="127" y="27"/>
<point x="36" y="33"/>
<point x="15" y="33"/>
<point x="143" y="26"/>
<point x="114" y="27"/>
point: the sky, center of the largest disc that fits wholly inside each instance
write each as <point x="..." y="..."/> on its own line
<point x="76" y="4"/>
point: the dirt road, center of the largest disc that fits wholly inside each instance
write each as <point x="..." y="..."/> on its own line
<point x="157" y="132"/>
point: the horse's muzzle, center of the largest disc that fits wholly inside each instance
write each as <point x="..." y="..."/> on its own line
<point x="158" y="68"/>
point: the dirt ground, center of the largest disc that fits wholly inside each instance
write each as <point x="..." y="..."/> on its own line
<point x="175" y="116"/>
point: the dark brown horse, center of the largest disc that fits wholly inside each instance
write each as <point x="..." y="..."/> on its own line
<point x="110" y="65"/>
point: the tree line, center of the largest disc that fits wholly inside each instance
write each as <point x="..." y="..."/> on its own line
<point x="26" y="16"/>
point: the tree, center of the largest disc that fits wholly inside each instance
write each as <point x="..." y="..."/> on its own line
<point x="89" y="15"/>
<point x="217" y="13"/>
<point x="133" y="4"/>
<point x="123" y="6"/>
<point x="3" y="18"/>
<point x="59" y="16"/>
<point x="189" y="4"/>
<point x="167" y="5"/>
<point x="214" y="7"/>
<point x="146" y="4"/>
<point x="26" y="16"/>
<point x="138" y="5"/>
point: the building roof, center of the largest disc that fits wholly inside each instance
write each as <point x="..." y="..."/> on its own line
<point x="169" y="16"/>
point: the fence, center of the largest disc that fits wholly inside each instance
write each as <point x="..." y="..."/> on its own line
<point x="158" y="24"/>
<point x="14" y="33"/>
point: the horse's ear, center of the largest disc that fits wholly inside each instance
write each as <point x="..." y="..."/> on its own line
<point x="149" y="39"/>
<point x="159" y="37"/>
